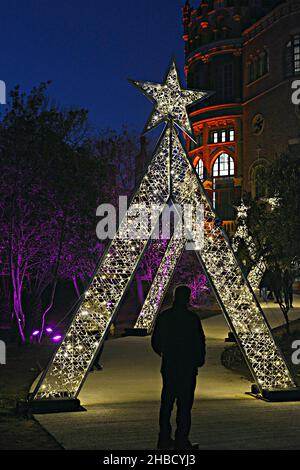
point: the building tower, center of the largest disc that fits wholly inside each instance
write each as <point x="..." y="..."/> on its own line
<point x="214" y="37"/>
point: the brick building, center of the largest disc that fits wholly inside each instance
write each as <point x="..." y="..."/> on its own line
<point x="248" y="52"/>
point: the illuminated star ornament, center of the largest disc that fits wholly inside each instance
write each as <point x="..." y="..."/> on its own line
<point x="170" y="100"/>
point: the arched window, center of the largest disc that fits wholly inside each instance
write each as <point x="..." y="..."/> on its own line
<point x="223" y="186"/>
<point x="292" y="56"/>
<point x="258" y="66"/>
<point x="258" y="180"/>
<point x="200" y="169"/>
<point x="223" y="166"/>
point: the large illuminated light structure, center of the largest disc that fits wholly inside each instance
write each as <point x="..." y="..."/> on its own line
<point x="242" y="233"/>
<point x="170" y="178"/>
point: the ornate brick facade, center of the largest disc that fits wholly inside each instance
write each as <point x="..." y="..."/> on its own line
<point x="246" y="51"/>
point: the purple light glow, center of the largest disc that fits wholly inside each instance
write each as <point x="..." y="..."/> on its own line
<point x="56" y="338"/>
<point x="35" y="333"/>
<point x="49" y="329"/>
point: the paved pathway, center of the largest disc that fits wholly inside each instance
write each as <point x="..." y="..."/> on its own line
<point x="122" y="402"/>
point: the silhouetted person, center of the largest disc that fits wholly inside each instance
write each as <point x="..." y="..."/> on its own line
<point x="288" y="281"/>
<point x="179" y="339"/>
<point x="265" y="285"/>
<point x="276" y="280"/>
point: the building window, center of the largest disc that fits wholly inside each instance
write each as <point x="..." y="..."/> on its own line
<point x="259" y="189"/>
<point x="200" y="169"/>
<point x="258" y="67"/>
<point x="224" y="135"/>
<point x="223" y="186"/>
<point x="222" y="82"/>
<point x="223" y="166"/>
<point x="228" y="82"/>
<point x="292" y="56"/>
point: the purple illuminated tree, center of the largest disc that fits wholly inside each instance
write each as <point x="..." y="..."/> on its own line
<point x="53" y="176"/>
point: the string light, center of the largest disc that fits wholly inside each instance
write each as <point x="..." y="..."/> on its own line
<point x="242" y="234"/>
<point x="65" y="375"/>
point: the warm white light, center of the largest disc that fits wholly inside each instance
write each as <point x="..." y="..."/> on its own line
<point x="65" y="376"/>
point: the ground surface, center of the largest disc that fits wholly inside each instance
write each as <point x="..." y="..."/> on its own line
<point x="23" y="364"/>
<point x="122" y="402"/>
<point x="23" y="434"/>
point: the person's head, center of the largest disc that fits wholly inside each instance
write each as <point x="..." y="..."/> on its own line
<point x="182" y="295"/>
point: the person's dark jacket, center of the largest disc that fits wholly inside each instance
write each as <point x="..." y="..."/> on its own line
<point x="276" y="280"/>
<point x="287" y="281"/>
<point x="179" y="338"/>
<point x="266" y="281"/>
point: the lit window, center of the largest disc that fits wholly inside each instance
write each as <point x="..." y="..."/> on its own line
<point x="223" y="166"/>
<point x="223" y="186"/>
<point x="292" y="56"/>
<point x="200" y="169"/>
<point x="222" y="136"/>
<point x="297" y="53"/>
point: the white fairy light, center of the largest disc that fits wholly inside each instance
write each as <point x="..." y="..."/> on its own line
<point x="170" y="100"/>
<point x="65" y="376"/>
<point x="242" y="233"/>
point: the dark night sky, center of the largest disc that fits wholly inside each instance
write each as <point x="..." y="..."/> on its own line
<point x="89" y="48"/>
